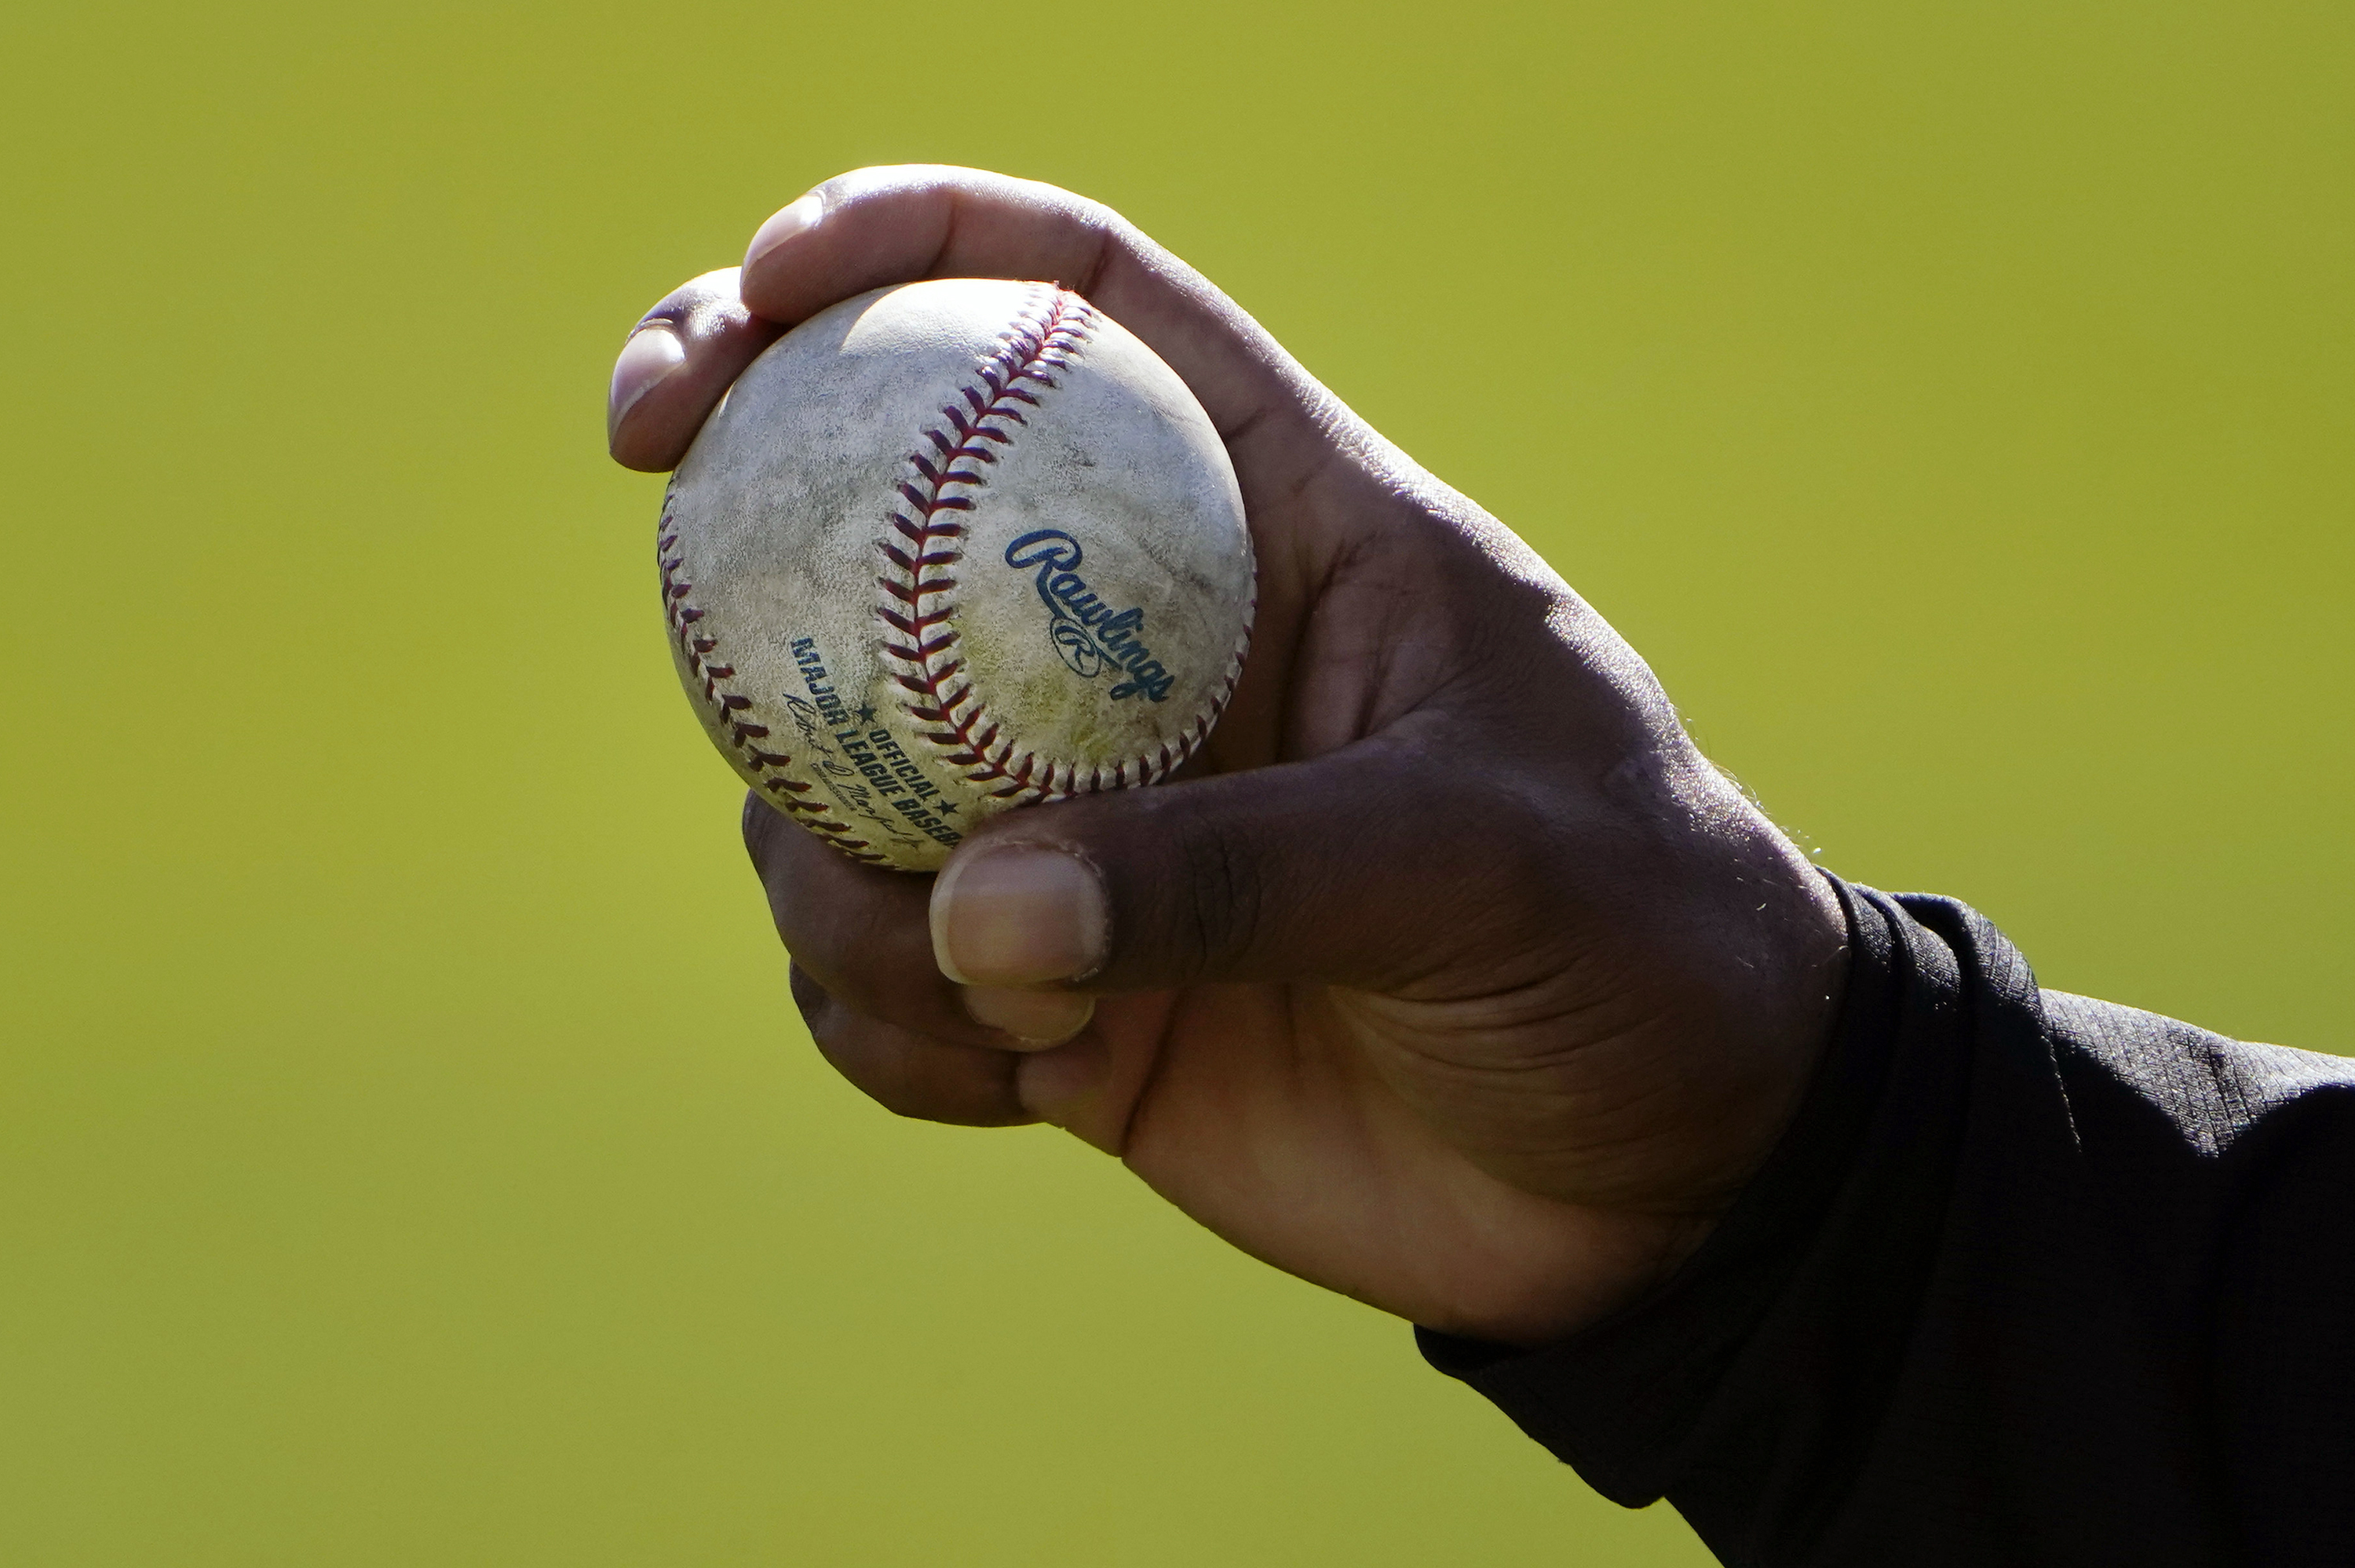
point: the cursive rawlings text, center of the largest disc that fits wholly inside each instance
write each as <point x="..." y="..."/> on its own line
<point x="1089" y="635"/>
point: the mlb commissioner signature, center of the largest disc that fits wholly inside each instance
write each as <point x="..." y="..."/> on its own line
<point x="1089" y="636"/>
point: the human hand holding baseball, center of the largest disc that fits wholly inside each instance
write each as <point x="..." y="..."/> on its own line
<point x="1449" y="975"/>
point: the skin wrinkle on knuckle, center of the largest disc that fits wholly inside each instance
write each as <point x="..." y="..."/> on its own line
<point x="697" y="309"/>
<point x="1086" y="234"/>
<point x="1114" y="238"/>
<point x="952" y="219"/>
<point x="813" y="1001"/>
<point x="1083" y="236"/>
<point x="756" y="823"/>
<point x="1224" y="907"/>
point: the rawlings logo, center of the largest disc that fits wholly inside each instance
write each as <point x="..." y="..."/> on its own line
<point x="1089" y="637"/>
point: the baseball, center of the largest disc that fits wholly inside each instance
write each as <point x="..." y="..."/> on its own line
<point x="950" y="548"/>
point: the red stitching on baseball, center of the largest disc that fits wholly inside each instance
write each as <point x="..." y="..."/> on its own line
<point x="1042" y="340"/>
<point x="697" y="646"/>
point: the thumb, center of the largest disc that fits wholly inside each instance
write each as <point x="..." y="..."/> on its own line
<point x="1370" y="867"/>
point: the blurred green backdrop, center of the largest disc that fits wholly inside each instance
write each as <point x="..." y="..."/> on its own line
<point x="408" y="1153"/>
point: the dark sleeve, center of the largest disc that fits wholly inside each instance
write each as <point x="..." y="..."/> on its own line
<point x="2031" y="1279"/>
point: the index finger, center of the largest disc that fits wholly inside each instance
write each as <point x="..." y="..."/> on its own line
<point x="873" y="227"/>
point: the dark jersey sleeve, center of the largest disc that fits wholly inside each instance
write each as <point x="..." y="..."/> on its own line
<point x="2031" y="1279"/>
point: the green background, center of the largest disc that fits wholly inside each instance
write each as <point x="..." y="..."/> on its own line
<point x="408" y="1153"/>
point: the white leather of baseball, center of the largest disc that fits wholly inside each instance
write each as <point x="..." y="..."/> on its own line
<point x="948" y="549"/>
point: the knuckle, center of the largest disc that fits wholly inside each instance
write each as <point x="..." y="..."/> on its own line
<point x="696" y="308"/>
<point x="1224" y="902"/>
<point x="816" y="1004"/>
<point x="753" y="829"/>
<point x="866" y="960"/>
<point x="832" y="964"/>
<point x="863" y="962"/>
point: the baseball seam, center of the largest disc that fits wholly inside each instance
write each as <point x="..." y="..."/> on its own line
<point x="919" y="610"/>
<point x="697" y="642"/>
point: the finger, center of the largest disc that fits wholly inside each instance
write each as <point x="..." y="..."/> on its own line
<point x="1092" y="1086"/>
<point x="1384" y="865"/>
<point x="907" y="1073"/>
<point x="680" y="359"/>
<point x="877" y="227"/>
<point x="858" y="931"/>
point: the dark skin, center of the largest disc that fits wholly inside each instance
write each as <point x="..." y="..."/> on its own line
<point x="1450" y="975"/>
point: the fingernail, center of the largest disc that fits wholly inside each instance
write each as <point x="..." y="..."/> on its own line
<point x="1052" y="1085"/>
<point x="1017" y="917"/>
<point x="653" y="352"/>
<point x="787" y="222"/>
<point x="1037" y="1018"/>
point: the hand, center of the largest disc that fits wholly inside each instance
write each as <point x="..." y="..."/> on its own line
<point x="1451" y="976"/>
